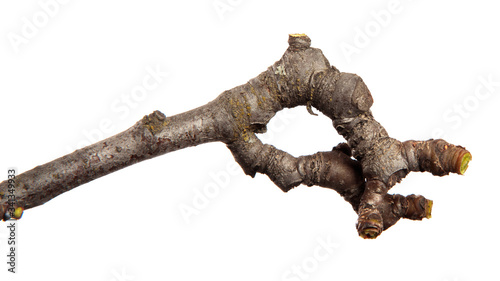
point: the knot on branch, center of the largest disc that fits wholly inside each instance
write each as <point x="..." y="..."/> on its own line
<point x="155" y="122"/>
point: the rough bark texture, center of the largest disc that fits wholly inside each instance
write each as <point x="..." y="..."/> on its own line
<point x="303" y="76"/>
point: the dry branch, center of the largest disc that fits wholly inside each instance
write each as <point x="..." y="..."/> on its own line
<point x="303" y="76"/>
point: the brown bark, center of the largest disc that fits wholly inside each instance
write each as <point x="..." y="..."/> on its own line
<point x="303" y="76"/>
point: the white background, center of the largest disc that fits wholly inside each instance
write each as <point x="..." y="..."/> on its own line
<point x="423" y="62"/>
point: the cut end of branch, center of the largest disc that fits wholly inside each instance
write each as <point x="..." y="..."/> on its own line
<point x="7" y="213"/>
<point x="464" y="163"/>
<point x="428" y="209"/>
<point x="18" y="213"/>
<point x="370" y="227"/>
<point x="369" y="233"/>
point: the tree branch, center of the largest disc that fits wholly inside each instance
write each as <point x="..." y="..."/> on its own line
<point x="303" y="76"/>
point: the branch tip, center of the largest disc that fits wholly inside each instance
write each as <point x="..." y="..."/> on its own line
<point x="297" y="34"/>
<point x="370" y="228"/>
<point x="464" y="163"/>
<point x="299" y="42"/>
<point x="428" y="209"/>
<point x="369" y="233"/>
